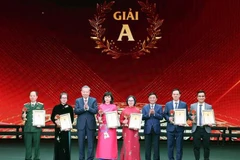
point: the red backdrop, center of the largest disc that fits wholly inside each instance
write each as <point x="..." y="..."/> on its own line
<point x="46" y="46"/>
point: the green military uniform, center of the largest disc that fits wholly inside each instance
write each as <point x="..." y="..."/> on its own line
<point x="31" y="133"/>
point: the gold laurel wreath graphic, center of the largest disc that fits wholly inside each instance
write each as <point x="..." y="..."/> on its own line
<point x="142" y="48"/>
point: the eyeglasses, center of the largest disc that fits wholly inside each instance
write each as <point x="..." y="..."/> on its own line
<point x="201" y="96"/>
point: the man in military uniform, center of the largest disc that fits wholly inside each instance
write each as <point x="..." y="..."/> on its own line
<point x="31" y="133"/>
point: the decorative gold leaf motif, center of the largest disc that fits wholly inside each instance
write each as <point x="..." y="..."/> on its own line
<point x="104" y="38"/>
<point x="143" y="48"/>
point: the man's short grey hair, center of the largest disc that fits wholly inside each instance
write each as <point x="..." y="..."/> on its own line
<point x="85" y="86"/>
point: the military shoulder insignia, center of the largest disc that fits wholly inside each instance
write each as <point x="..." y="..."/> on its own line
<point x="40" y="103"/>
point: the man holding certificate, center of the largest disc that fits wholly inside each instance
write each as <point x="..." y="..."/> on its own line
<point x="62" y="112"/>
<point x="32" y="132"/>
<point x="175" y="126"/>
<point x="86" y="108"/>
<point x="152" y="114"/>
<point x="199" y="129"/>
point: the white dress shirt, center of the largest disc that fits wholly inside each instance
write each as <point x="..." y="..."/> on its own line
<point x="174" y="104"/>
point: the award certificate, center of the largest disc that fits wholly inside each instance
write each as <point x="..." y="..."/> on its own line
<point x="208" y="117"/>
<point x="112" y="119"/>
<point x="39" y="118"/>
<point x="65" y="122"/>
<point x="180" y="117"/>
<point x="135" y="121"/>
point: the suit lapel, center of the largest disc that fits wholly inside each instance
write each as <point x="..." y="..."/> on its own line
<point x="172" y="107"/>
<point x="81" y="101"/>
<point x="156" y="107"/>
<point x="29" y="106"/>
<point x="180" y="104"/>
<point x="89" y="99"/>
<point x="195" y="106"/>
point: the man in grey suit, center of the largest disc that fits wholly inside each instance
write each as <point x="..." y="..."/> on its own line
<point x="198" y="129"/>
<point x="86" y="108"/>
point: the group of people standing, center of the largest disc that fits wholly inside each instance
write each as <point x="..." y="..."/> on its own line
<point x="88" y="111"/>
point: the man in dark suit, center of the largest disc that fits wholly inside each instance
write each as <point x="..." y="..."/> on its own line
<point x="31" y="133"/>
<point x="198" y="129"/>
<point x="152" y="114"/>
<point x="174" y="132"/>
<point x="86" y="108"/>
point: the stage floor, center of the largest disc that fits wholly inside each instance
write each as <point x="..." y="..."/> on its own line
<point x="14" y="150"/>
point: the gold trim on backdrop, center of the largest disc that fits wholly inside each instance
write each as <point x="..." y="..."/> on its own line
<point x="142" y="47"/>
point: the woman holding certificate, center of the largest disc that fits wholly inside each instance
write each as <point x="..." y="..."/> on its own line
<point x="131" y="147"/>
<point x="107" y="137"/>
<point x="62" y="117"/>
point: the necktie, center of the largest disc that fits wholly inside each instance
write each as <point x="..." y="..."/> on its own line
<point x="176" y="105"/>
<point x="85" y="101"/>
<point x="200" y="115"/>
<point x="32" y="105"/>
<point x="151" y="106"/>
<point x="85" y="104"/>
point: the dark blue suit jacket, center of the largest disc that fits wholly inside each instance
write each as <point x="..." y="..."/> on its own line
<point x="152" y="120"/>
<point x="168" y="107"/>
<point x="86" y="117"/>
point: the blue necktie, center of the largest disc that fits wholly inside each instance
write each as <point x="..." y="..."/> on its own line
<point x="176" y="105"/>
<point x="200" y="115"/>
